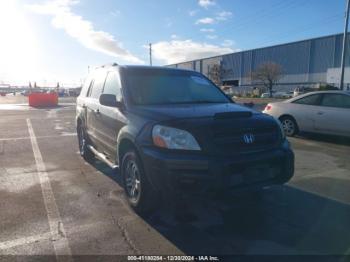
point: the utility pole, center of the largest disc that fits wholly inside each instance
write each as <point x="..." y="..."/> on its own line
<point x="345" y="38"/>
<point x="150" y="54"/>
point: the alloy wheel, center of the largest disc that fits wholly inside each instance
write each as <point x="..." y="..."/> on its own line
<point x="132" y="180"/>
<point x="288" y="127"/>
<point x="82" y="141"/>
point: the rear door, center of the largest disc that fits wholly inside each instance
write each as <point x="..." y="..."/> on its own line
<point x="111" y="119"/>
<point x="304" y="110"/>
<point x="82" y="98"/>
<point x="334" y="114"/>
<point x="93" y="108"/>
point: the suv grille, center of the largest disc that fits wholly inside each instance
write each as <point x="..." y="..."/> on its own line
<point x="240" y="140"/>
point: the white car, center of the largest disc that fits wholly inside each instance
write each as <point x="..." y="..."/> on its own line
<point x="265" y="95"/>
<point x="326" y="112"/>
<point x="277" y="95"/>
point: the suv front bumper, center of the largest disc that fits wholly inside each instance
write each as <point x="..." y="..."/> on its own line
<point x="189" y="172"/>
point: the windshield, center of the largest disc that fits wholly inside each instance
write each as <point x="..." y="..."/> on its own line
<point x="149" y="87"/>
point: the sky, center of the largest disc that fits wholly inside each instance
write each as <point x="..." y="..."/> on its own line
<point x="57" y="41"/>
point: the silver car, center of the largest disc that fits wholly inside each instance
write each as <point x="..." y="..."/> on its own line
<point x="326" y="112"/>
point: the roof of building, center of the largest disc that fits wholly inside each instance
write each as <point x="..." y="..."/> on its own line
<point x="259" y="48"/>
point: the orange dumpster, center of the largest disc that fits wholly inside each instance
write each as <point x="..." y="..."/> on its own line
<point x="43" y="100"/>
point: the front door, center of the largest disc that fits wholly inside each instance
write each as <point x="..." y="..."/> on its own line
<point x="111" y="119"/>
<point x="333" y="115"/>
<point x="93" y="109"/>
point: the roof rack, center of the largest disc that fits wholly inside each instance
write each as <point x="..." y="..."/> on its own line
<point x="113" y="64"/>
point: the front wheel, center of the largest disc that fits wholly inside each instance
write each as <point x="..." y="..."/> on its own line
<point x="289" y="126"/>
<point x="138" y="190"/>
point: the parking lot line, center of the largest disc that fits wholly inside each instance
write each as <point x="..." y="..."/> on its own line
<point x="24" y="241"/>
<point x="38" y="137"/>
<point x="46" y="236"/>
<point x="61" y="244"/>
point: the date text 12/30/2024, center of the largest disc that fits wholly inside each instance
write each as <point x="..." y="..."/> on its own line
<point x="173" y="258"/>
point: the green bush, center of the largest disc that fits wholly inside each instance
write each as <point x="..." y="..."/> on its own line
<point x="327" y="87"/>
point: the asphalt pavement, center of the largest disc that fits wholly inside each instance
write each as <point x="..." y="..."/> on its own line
<point x="54" y="203"/>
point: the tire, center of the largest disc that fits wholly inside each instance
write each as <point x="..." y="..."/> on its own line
<point x="139" y="192"/>
<point x="290" y="126"/>
<point x="84" y="151"/>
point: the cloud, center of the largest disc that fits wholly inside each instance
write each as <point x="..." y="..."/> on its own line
<point x="176" y="51"/>
<point x="192" y="12"/>
<point x="224" y="15"/>
<point x="83" y="30"/>
<point x="115" y="13"/>
<point x="205" y="21"/>
<point x="206" y="3"/>
<point x="211" y="36"/>
<point x="207" y="30"/>
<point x="227" y="43"/>
<point x="174" y="36"/>
<point x="168" y="22"/>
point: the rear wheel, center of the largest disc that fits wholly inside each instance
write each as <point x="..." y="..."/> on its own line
<point x="138" y="190"/>
<point x="84" y="151"/>
<point x="289" y="125"/>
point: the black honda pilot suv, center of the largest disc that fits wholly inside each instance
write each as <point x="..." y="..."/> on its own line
<point x="172" y="131"/>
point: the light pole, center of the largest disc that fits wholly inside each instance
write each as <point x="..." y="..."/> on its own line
<point x="150" y="54"/>
<point x="345" y="38"/>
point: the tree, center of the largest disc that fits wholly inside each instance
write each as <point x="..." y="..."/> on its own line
<point x="267" y="74"/>
<point x="215" y="74"/>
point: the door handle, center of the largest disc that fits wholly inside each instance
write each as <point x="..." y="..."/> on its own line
<point x="97" y="111"/>
<point x="320" y="113"/>
<point x="84" y="106"/>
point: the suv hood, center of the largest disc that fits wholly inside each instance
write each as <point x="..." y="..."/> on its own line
<point x="168" y="112"/>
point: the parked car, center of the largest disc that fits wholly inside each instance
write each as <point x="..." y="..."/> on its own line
<point x="74" y="91"/>
<point x="171" y="131"/>
<point x="25" y="93"/>
<point x="277" y="95"/>
<point x="288" y="94"/>
<point x="326" y="112"/>
<point x="302" y="90"/>
<point x="265" y="95"/>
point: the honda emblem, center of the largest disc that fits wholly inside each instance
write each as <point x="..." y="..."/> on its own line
<point x="248" y="138"/>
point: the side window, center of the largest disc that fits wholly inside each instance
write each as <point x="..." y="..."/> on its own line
<point x="309" y="100"/>
<point x="97" y="85"/>
<point x="112" y="85"/>
<point x="86" y="86"/>
<point x="336" y="100"/>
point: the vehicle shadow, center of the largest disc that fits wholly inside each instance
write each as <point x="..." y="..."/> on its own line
<point x="284" y="220"/>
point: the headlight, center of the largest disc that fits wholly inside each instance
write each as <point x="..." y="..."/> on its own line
<point x="173" y="138"/>
<point x="281" y="128"/>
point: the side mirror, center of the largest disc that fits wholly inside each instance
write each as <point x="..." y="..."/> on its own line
<point x="110" y="100"/>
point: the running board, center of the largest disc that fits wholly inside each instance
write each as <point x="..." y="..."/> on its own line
<point x="102" y="157"/>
